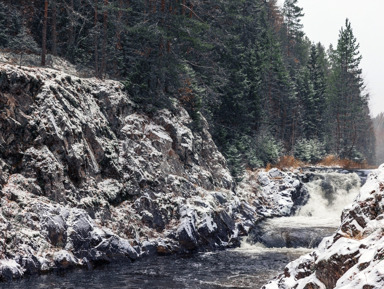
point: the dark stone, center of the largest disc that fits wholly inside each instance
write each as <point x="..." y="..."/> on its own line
<point x="311" y="285"/>
<point x="300" y="197"/>
<point x="329" y="271"/>
<point x="56" y="229"/>
<point x="64" y="260"/>
<point x="149" y="248"/>
<point x="288" y="237"/>
<point x="9" y="272"/>
<point x="187" y="235"/>
<point x="30" y="263"/>
<point x="80" y="236"/>
<point x="116" y="248"/>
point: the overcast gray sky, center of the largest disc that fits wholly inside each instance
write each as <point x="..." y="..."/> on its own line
<point x="323" y="20"/>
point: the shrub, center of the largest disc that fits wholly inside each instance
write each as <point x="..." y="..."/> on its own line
<point x="234" y="161"/>
<point x="268" y="149"/>
<point x="309" y="150"/>
<point x="252" y="152"/>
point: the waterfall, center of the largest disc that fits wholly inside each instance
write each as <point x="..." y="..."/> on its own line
<point x="329" y="193"/>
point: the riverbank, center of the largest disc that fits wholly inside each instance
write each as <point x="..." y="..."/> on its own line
<point x="248" y="266"/>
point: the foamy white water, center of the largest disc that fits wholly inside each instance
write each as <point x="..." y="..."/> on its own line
<point x="260" y="248"/>
<point x="329" y="194"/>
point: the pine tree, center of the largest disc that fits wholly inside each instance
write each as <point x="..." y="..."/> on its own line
<point x="317" y="68"/>
<point x="307" y="112"/>
<point x="348" y="103"/>
<point x="14" y="35"/>
<point x="292" y="17"/>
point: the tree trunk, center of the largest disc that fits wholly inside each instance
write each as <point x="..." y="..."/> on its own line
<point x="71" y="39"/>
<point x="118" y="29"/>
<point x="54" y="31"/>
<point x="191" y="11"/>
<point x="163" y="6"/>
<point x="104" y="44"/>
<point x="96" y="40"/>
<point x="118" y="35"/>
<point x="44" y="34"/>
<point x="337" y="133"/>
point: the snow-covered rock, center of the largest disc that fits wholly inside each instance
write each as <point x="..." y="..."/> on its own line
<point x="10" y="269"/>
<point x="278" y="193"/>
<point x="87" y="177"/>
<point x="354" y="256"/>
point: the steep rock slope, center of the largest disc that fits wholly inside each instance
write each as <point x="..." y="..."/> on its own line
<point x="87" y="178"/>
<point x="354" y="256"/>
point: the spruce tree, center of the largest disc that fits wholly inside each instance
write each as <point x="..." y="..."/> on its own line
<point x="317" y="68"/>
<point x="348" y="102"/>
<point x="294" y="33"/>
<point x="292" y="16"/>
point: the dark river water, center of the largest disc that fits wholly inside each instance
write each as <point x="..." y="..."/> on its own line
<point x="245" y="267"/>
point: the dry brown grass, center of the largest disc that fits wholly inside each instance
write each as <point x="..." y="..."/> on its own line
<point x="286" y="162"/>
<point x="333" y="161"/>
<point x="359" y="236"/>
<point x="329" y="161"/>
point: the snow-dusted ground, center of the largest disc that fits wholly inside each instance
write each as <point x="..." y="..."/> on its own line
<point x="53" y="62"/>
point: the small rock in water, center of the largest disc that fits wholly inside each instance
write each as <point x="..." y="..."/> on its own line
<point x="64" y="260"/>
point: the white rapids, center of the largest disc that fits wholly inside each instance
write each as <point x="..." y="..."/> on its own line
<point x="329" y="193"/>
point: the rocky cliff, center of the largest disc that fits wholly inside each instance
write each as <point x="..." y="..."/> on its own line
<point x="353" y="257"/>
<point x="86" y="177"/>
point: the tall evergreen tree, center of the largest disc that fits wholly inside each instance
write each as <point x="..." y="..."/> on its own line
<point x="292" y="17"/>
<point x="348" y="102"/>
<point x="317" y="68"/>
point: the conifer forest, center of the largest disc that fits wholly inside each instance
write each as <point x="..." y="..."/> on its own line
<point x="264" y="87"/>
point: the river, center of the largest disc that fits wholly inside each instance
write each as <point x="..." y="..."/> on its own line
<point x="245" y="267"/>
<point x="263" y="255"/>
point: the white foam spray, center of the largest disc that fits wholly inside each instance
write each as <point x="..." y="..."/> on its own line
<point x="329" y="193"/>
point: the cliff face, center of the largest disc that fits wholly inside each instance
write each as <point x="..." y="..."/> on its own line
<point x="353" y="256"/>
<point x="86" y="178"/>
